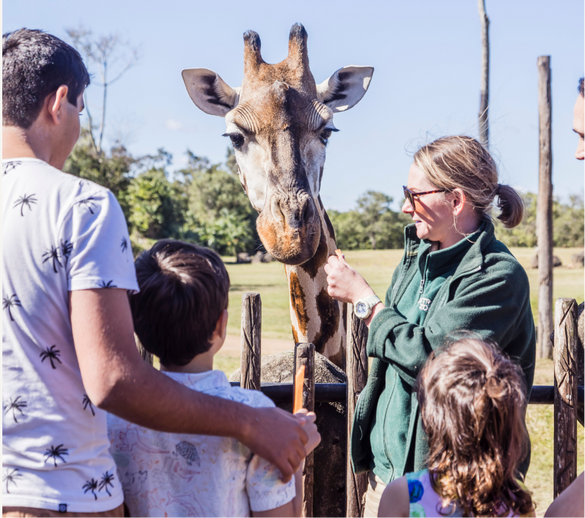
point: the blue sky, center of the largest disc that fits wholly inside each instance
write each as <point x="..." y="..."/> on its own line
<point x="426" y="55"/>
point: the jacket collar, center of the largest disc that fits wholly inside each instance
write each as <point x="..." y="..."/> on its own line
<point x="472" y="259"/>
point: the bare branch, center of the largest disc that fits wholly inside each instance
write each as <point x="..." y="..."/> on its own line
<point x="108" y="54"/>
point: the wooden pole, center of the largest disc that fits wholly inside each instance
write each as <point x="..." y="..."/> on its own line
<point x="485" y="75"/>
<point x="305" y="355"/>
<point x="566" y="380"/>
<point x="357" y="376"/>
<point x="251" y="327"/>
<point x="544" y="216"/>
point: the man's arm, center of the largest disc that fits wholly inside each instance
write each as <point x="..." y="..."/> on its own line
<point x="118" y="381"/>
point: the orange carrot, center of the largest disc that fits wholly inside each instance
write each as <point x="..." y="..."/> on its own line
<point x="299" y="381"/>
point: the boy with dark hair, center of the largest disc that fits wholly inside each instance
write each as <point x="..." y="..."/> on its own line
<point x="180" y="315"/>
<point x="67" y="338"/>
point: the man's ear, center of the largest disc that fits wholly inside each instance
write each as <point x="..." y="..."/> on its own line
<point x="209" y="92"/>
<point x="55" y="102"/>
<point x="345" y="88"/>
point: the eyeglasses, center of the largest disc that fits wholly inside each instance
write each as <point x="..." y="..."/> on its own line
<point x="410" y="195"/>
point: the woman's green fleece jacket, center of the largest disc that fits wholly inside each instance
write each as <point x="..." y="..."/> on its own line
<point x="488" y="293"/>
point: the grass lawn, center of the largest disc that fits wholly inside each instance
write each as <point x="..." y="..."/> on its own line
<point x="377" y="267"/>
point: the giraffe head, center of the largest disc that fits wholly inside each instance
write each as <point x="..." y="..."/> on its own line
<point x="279" y="121"/>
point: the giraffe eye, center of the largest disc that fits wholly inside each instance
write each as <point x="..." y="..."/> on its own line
<point x="236" y="138"/>
<point x="325" y="134"/>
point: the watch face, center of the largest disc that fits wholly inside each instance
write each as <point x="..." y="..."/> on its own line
<point x="360" y="309"/>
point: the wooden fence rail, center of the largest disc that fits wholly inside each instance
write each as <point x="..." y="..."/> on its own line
<point x="566" y="394"/>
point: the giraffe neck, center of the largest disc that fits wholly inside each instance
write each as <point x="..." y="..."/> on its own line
<point x="315" y="316"/>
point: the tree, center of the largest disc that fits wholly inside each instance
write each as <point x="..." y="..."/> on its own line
<point x="372" y="225"/>
<point x="112" y="170"/>
<point x="219" y="213"/>
<point x="568" y="227"/>
<point x="485" y="75"/>
<point x="155" y="205"/>
<point x="525" y="233"/>
<point x="382" y="226"/>
<point x="112" y="57"/>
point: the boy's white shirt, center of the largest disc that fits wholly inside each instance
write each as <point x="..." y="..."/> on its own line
<point x="60" y="233"/>
<point x="166" y="474"/>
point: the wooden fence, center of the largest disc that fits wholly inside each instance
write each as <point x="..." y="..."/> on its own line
<point x="565" y="394"/>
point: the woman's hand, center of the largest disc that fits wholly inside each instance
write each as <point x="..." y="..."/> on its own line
<point x="345" y="284"/>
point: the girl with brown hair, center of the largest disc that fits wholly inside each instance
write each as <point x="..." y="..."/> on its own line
<point x="472" y="406"/>
<point x="454" y="275"/>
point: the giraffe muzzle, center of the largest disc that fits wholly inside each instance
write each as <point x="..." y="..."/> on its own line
<point x="289" y="228"/>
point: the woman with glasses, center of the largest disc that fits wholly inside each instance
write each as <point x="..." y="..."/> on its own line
<point x="454" y="275"/>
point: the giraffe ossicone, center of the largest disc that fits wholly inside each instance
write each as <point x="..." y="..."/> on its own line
<point x="279" y="121"/>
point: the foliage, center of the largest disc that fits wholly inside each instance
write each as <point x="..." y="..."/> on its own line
<point x="568" y="224"/>
<point x="219" y="212"/>
<point x="205" y="203"/>
<point x="372" y="225"/>
<point x="155" y="205"/>
<point x="108" y="169"/>
<point x="525" y="233"/>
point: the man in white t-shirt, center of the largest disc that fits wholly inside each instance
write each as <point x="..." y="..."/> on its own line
<point x="67" y="338"/>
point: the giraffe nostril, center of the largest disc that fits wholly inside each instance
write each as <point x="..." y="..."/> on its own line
<point x="307" y="211"/>
<point x="277" y="210"/>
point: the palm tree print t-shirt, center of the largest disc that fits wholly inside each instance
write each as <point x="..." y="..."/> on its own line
<point x="60" y="234"/>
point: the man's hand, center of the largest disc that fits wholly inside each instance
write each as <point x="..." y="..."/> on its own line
<point x="345" y="284"/>
<point x="280" y="438"/>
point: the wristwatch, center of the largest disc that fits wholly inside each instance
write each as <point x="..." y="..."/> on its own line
<point x="363" y="307"/>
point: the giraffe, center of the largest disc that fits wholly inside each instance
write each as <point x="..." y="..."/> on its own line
<point x="279" y="121"/>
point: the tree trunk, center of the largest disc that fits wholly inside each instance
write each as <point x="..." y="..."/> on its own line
<point x="544" y="216"/>
<point x="485" y="75"/>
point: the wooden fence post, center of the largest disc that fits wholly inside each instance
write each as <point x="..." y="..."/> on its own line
<point x="566" y="380"/>
<point x="251" y="328"/>
<point x="357" y="376"/>
<point x="544" y="215"/>
<point x="305" y="355"/>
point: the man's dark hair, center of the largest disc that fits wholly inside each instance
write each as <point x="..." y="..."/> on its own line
<point x="581" y="92"/>
<point x="183" y="290"/>
<point x="34" y="65"/>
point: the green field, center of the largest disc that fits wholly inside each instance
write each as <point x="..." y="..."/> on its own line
<point x="377" y="267"/>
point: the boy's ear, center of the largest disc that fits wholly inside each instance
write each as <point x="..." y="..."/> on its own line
<point x="55" y="102"/>
<point x="221" y="325"/>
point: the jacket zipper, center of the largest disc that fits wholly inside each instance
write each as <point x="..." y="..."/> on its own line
<point x="447" y="286"/>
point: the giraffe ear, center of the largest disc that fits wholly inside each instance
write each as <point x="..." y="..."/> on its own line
<point x="345" y="88"/>
<point x="209" y="92"/>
